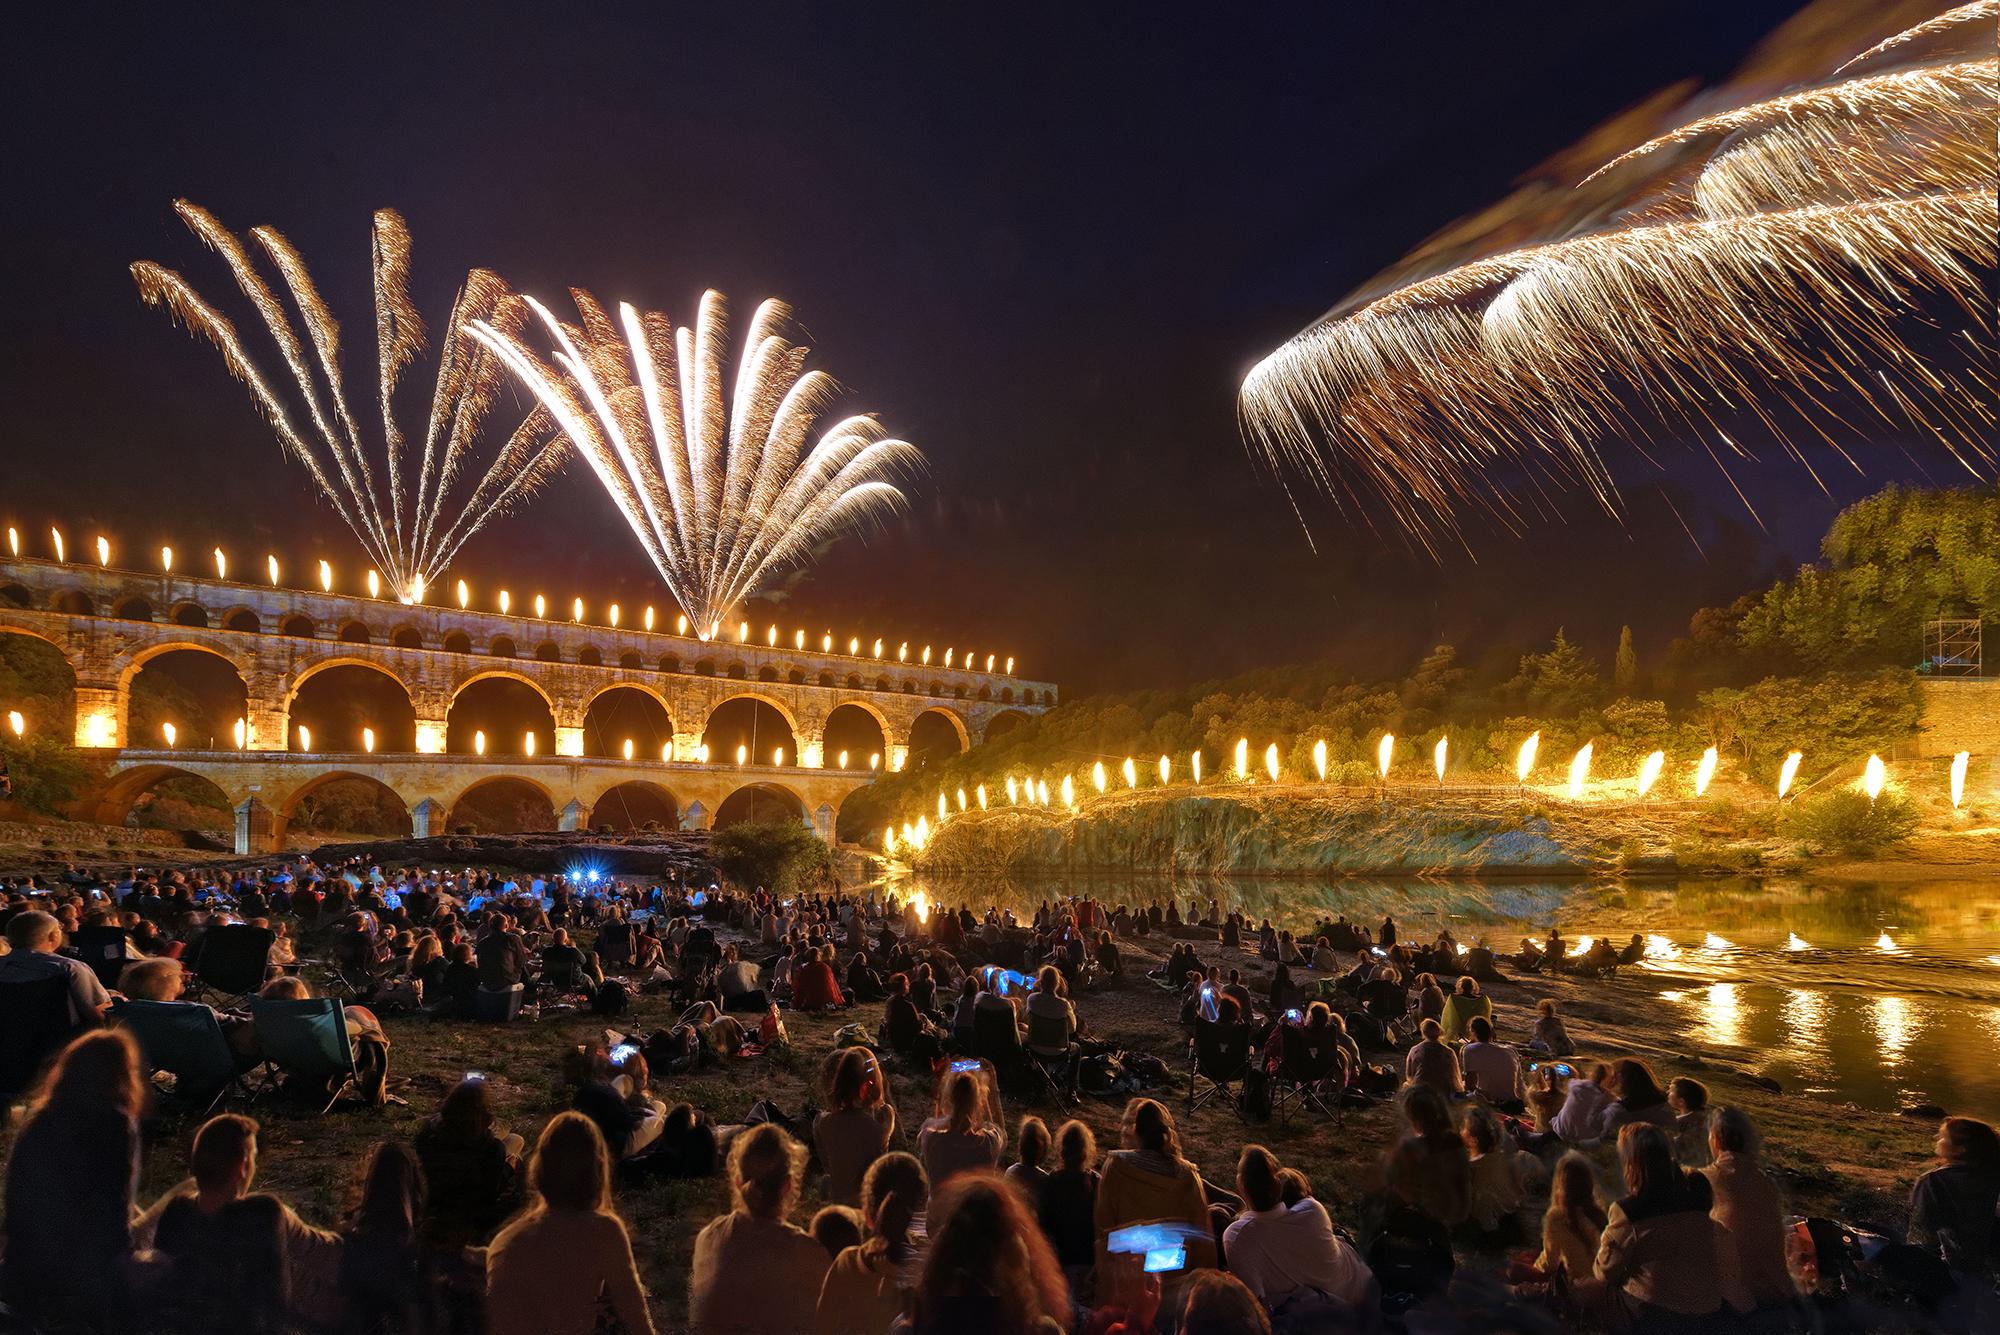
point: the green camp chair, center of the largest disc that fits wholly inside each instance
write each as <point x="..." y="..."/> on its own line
<point x="185" y="1039"/>
<point x="307" y="1040"/>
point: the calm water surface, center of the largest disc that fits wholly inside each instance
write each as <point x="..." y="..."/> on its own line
<point x="1881" y="995"/>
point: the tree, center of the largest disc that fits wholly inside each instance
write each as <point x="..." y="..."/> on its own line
<point x="1557" y="683"/>
<point x="1625" y="667"/>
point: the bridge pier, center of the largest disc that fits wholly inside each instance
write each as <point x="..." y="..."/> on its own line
<point x="103" y="715"/>
<point x="574" y="817"/>
<point x="256" y="828"/>
<point x="427" y="819"/>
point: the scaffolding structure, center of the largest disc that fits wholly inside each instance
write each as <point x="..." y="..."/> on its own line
<point x="1954" y="648"/>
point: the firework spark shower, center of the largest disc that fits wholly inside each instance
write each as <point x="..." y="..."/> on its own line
<point x="413" y="542"/>
<point x="1771" y="260"/>
<point x="720" y="499"/>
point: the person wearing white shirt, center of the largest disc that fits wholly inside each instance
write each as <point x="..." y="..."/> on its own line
<point x="1491" y="1069"/>
<point x="1280" y="1249"/>
<point x="1583" y="1108"/>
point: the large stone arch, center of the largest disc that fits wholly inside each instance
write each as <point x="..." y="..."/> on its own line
<point x="461" y="728"/>
<point x="478" y="675"/>
<point x="627" y="711"/>
<point x="131" y="664"/>
<point x="454" y="804"/>
<point x="286" y="810"/>
<point x="114" y="802"/>
<point x="58" y="719"/>
<point x="635" y="803"/>
<point x="959" y="727"/>
<point x="760" y="801"/>
<point x="838" y="733"/>
<point x="722" y="738"/>
<point x="333" y="660"/>
<point x="1002" y="723"/>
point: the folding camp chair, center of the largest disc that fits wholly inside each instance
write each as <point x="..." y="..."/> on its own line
<point x="105" y="951"/>
<point x="34" y="1026"/>
<point x="1051" y="1050"/>
<point x="184" y="1039"/>
<point x="307" y="1040"/>
<point x="1218" y="1057"/>
<point x="1308" y="1076"/>
<point x="232" y="961"/>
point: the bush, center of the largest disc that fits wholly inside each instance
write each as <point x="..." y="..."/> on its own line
<point x="783" y="856"/>
<point x="48" y="773"/>
<point x="1846" y="822"/>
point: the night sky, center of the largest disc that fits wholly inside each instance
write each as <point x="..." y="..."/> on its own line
<point x="1042" y="242"/>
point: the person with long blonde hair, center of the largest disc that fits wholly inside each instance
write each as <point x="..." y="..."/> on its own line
<point x="1149" y="1179"/>
<point x="71" y="1176"/>
<point x="754" y="1270"/>
<point x="865" y="1287"/>
<point x="547" y="1268"/>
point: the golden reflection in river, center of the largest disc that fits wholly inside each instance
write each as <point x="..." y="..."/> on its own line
<point x="1804" y="1011"/>
<point x="1894" y="1028"/>
<point x="1721" y="1015"/>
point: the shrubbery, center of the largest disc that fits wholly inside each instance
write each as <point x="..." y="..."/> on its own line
<point x="1846" y="822"/>
<point x="783" y="855"/>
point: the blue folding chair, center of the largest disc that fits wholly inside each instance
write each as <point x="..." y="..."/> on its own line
<point x="185" y="1039"/>
<point x="307" y="1040"/>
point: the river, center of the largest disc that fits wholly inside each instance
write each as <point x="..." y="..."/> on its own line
<point x="1881" y="995"/>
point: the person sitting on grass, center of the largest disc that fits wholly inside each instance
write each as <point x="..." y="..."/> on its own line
<point x="1432" y="1064"/>
<point x="857" y="1126"/>
<point x="242" y="1262"/>
<point x="904" y="1029"/>
<point x="1491" y="1069"/>
<point x="568" y="1252"/>
<point x="1584" y="1102"/>
<point x="1550" y="1036"/>
<point x="988" y="1268"/>
<point x="1657" y="1257"/>
<point x="866" y="1287"/>
<point x="566" y="968"/>
<point x="741" y="982"/>
<point x="381" y="1261"/>
<point x="1030" y="1167"/>
<point x="1638" y="1099"/>
<point x="1750" y="1215"/>
<point x="1429" y="1168"/>
<point x="1283" y="1250"/>
<point x="470" y="1170"/>
<point x="963" y="1136"/>
<point x="1215" y="1303"/>
<point x="814" y="987"/>
<point x="71" y="1173"/>
<point x="836" y="1228"/>
<point x="1952" y="1206"/>
<point x="1494" y="1179"/>
<point x="1688" y="1098"/>
<point x="753" y="1270"/>
<point x="1572" y="1224"/>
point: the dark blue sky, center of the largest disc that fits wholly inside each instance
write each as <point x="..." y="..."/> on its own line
<point x="1043" y="242"/>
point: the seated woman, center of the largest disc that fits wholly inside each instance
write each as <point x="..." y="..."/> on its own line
<point x="904" y="1028"/>
<point x="470" y="1169"/>
<point x="568" y="1253"/>
<point x="857" y="1126"/>
<point x="1148" y="1179"/>
<point x="1636" y="1098"/>
<point x="740" y="982"/>
<point x="1688" y="1098"/>
<point x="1951" y="1207"/>
<point x="1052" y="1027"/>
<point x="1465" y="1001"/>
<point x="1550" y="1036"/>
<point x="814" y="987"/>
<point x="365" y="1036"/>
<point x="1109" y="962"/>
<point x="1494" y="1179"/>
<point x="1573" y="1223"/>
<point x="1657" y="1257"/>
<point x="964" y="1134"/>
<point x="1429" y="1168"/>
<point x="753" y="1269"/>
<point x="382" y="1278"/>
<point x="863" y="983"/>
<point x="865" y="1289"/>
<point x="987" y="1268"/>
<point x="1283" y="1248"/>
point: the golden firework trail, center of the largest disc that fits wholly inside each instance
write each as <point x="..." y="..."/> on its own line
<point x="410" y="528"/>
<point x="1771" y="260"/>
<point x="721" y="497"/>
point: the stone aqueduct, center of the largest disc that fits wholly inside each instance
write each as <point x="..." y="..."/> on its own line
<point x="109" y="623"/>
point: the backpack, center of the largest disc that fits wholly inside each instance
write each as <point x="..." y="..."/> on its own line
<point x="1097" y="1075"/>
<point x="852" y="1036"/>
<point x="610" y="998"/>
<point x="1411" y="1257"/>
<point x="1257" y="1094"/>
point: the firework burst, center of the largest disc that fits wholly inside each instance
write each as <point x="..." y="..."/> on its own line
<point x="1772" y="256"/>
<point x="410" y="528"/>
<point x="721" y="498"/>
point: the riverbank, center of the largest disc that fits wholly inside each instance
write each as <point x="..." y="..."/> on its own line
<point x="1497" y="832"/>
<point x="1828" y="1158"/>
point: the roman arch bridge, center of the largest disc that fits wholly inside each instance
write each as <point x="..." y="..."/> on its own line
<point x="108" y="624"/>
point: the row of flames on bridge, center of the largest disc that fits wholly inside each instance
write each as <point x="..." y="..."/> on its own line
<point x="1035" y="792"/>
<point x="968" y="661"/>
<point x="428" y="743"/>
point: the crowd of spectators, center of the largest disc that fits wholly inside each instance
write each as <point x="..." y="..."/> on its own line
<point x="1596" y="1194"/>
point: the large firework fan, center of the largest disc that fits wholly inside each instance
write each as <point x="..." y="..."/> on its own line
<point x="721" y="499"/>
<point x="1817" y="256"/>
<point x="413" y="535"/>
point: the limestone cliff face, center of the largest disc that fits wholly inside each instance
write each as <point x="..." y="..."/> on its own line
<point x="1247" y="833"/>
